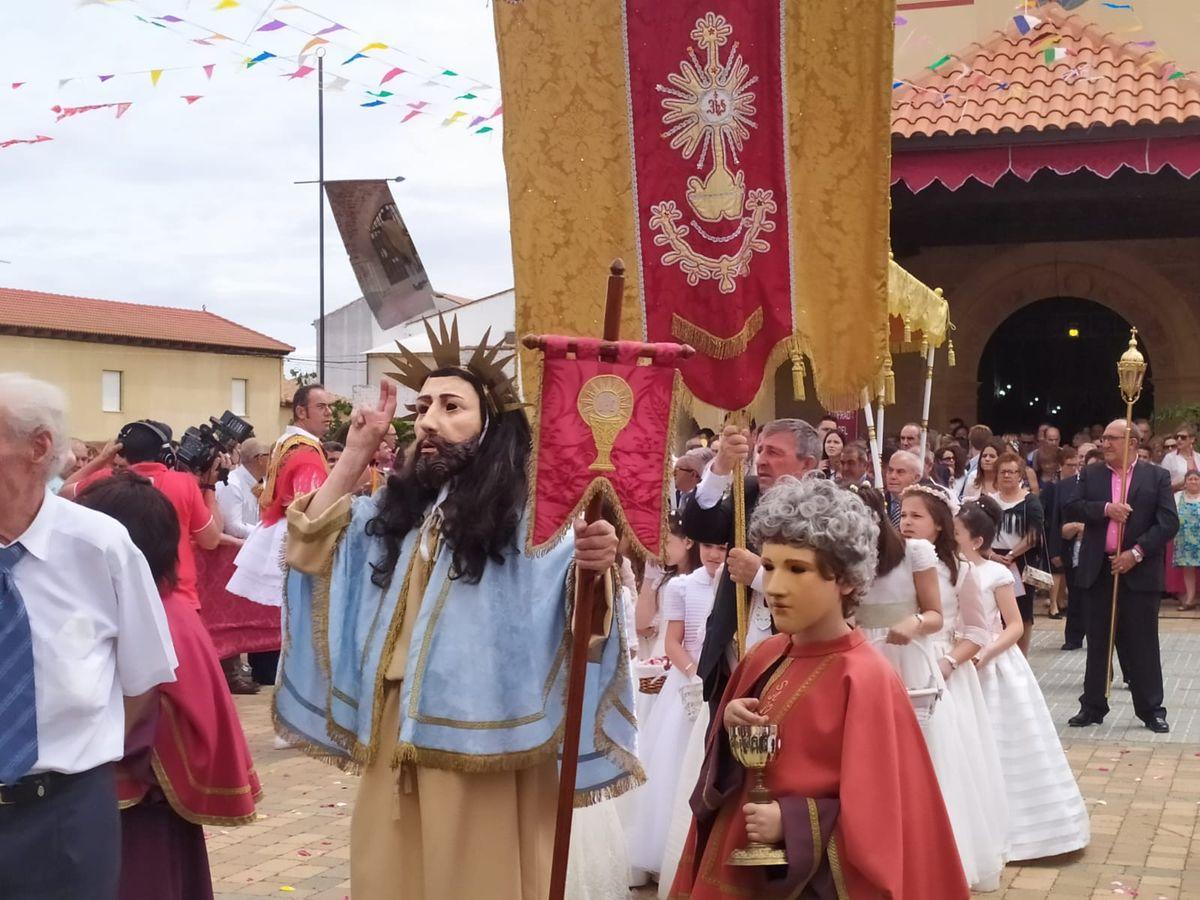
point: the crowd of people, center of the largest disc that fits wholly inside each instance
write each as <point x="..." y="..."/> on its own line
<point x="130" y="590"/>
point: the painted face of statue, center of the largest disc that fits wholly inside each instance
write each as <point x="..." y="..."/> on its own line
<point x="448" y="427"/>
<point x="800" y="591"/>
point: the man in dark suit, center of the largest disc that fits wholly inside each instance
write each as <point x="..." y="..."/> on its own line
<point x="1150" y="520"/>
<point x="785" y="447"/>
<point x="1060" y="547"/>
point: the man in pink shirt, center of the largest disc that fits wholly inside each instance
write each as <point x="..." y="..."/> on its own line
<point x="1125" y="537"/>
<point x="144" y="446"/>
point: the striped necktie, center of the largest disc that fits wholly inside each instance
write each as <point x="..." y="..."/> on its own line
<point x="18" y="714"/>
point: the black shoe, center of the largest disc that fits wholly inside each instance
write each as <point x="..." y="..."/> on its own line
<point x="1158" y="725"/>
<point x="1083" y="719"/>
<point x="1054" y="615"/>
<point x="1070" y="645"/>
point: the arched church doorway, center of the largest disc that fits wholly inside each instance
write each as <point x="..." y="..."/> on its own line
<point x="1056" y="361"/>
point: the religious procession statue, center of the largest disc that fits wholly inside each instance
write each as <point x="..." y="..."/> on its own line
<point x="426" y="649"/>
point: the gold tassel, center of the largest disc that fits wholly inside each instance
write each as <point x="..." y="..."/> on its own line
<point x="889" y="382"/>
<point x="951" y="355"/>
<point x="907" y="332"/>
<point x="924" y="348"/>
<point x="797" y="371"/>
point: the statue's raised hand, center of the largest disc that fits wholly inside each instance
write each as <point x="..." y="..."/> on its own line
<point x="369" y="425"/>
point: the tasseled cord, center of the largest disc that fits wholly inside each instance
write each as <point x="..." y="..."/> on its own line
<point x="797" y="372"/>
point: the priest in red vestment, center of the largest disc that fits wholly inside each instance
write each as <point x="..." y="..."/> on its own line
<point x="857" y="806"/>
<point x="298" y="466"/>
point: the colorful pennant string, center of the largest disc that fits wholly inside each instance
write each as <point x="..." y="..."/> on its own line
<point x="12" y="142"/>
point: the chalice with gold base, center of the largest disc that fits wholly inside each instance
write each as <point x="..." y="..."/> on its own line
<point x="755" y="747"/>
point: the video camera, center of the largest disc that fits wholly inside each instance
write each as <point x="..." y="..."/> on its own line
<point x="200" y="444"/>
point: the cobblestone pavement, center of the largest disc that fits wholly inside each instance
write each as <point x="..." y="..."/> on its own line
<point x="1143" y="791"/>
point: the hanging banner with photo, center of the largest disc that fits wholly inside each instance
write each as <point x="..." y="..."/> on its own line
<point x="382" y="253"/>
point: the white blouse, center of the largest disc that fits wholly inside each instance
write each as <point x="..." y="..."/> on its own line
<point x="992" y="576"/>
<point x="689" y="599"/>
<point x="962" y="608"/>
<point x="897" y="585"/>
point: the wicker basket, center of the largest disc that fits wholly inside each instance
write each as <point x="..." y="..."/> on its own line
<point x="652" y="685"/>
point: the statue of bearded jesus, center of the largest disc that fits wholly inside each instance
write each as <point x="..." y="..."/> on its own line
<point x="425" y="649"/>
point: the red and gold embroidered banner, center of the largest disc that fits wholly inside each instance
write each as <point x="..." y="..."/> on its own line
<point x="604" y="429"/>
<point x="733" y="152"/>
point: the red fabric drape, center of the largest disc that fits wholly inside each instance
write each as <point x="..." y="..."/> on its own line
<point x="235" y="624"/>
<point x="199" y="754"/>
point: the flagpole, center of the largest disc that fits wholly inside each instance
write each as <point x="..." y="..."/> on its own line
<point x="586" y="596"/>
<point x="925" y="404"/>
<point x="321" y="210"/>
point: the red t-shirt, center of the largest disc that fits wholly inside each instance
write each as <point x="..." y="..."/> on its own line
<point x="193" y="514"/>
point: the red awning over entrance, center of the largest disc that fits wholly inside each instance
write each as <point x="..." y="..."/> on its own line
<point x="918" y="169"/>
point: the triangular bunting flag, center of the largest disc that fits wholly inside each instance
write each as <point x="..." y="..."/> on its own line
<point x="262" y="57"/>
<point x="208" y="70"/>
<point x="411" y="115"/>
<point x="226" y="4"/>
<point x="104" y="78"/>
<point x="374" y="45"/>
<point x="373" y="103"/>
<point x="485" y="129"/>
<point x="313" y="43"/>
<point x="332" y="28"/>
<point x="299" y="73"/>
<point x="273" y="25"/>
<point x="420" y="104"/>
<point x="475" y="121"/>
<point x="1054" y="54"/>
<point x="449" y="72"/>
<point x="63" y="82"/>
<point x="123" y="108"/>
<point x="380" y="93"/>
<point x="467" y="97"/>
<point x="391" y="73"/>
<point x="172" y="19"/>
<point x="336" y="83"/>
<point x="155" y="74"/>
<point x="354" y="57"/>
<point x="454" y="117"/>
<point x="1026" y="23"/>
<point x="17" y="84"/>
<point x="191" y="98"/>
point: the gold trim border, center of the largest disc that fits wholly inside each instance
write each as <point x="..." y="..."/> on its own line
<point x="712" y="345"/>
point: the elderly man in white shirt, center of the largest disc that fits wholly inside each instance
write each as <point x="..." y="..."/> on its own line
<point x="83" y="641"/>
<point x="236" y="498"/>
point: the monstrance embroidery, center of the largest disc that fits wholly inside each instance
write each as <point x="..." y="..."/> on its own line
<point x="606" y="404"/>
<point x="709" y="113"/>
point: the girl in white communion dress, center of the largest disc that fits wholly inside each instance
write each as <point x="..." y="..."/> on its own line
<point x="1047" y="815"/>
<point x="927" y="514"/>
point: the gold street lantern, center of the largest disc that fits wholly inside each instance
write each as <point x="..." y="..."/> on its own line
<point x="1131" y="370"/>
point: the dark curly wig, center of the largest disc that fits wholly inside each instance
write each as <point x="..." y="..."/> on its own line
<point x="484" y="505"/>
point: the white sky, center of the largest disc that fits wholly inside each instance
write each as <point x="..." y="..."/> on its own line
<point x="182" y="205"/>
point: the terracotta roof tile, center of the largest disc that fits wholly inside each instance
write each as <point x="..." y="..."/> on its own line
<point x="1005" y="84"/>
<point x="132" y="322"/>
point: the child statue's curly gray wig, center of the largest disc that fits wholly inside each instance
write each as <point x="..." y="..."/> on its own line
<point x="817" y="514"/>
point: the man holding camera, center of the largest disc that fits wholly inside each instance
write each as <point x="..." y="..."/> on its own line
<point x="146" y="447"/>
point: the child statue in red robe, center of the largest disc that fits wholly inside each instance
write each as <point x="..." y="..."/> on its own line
<point x="857" y="807"/>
